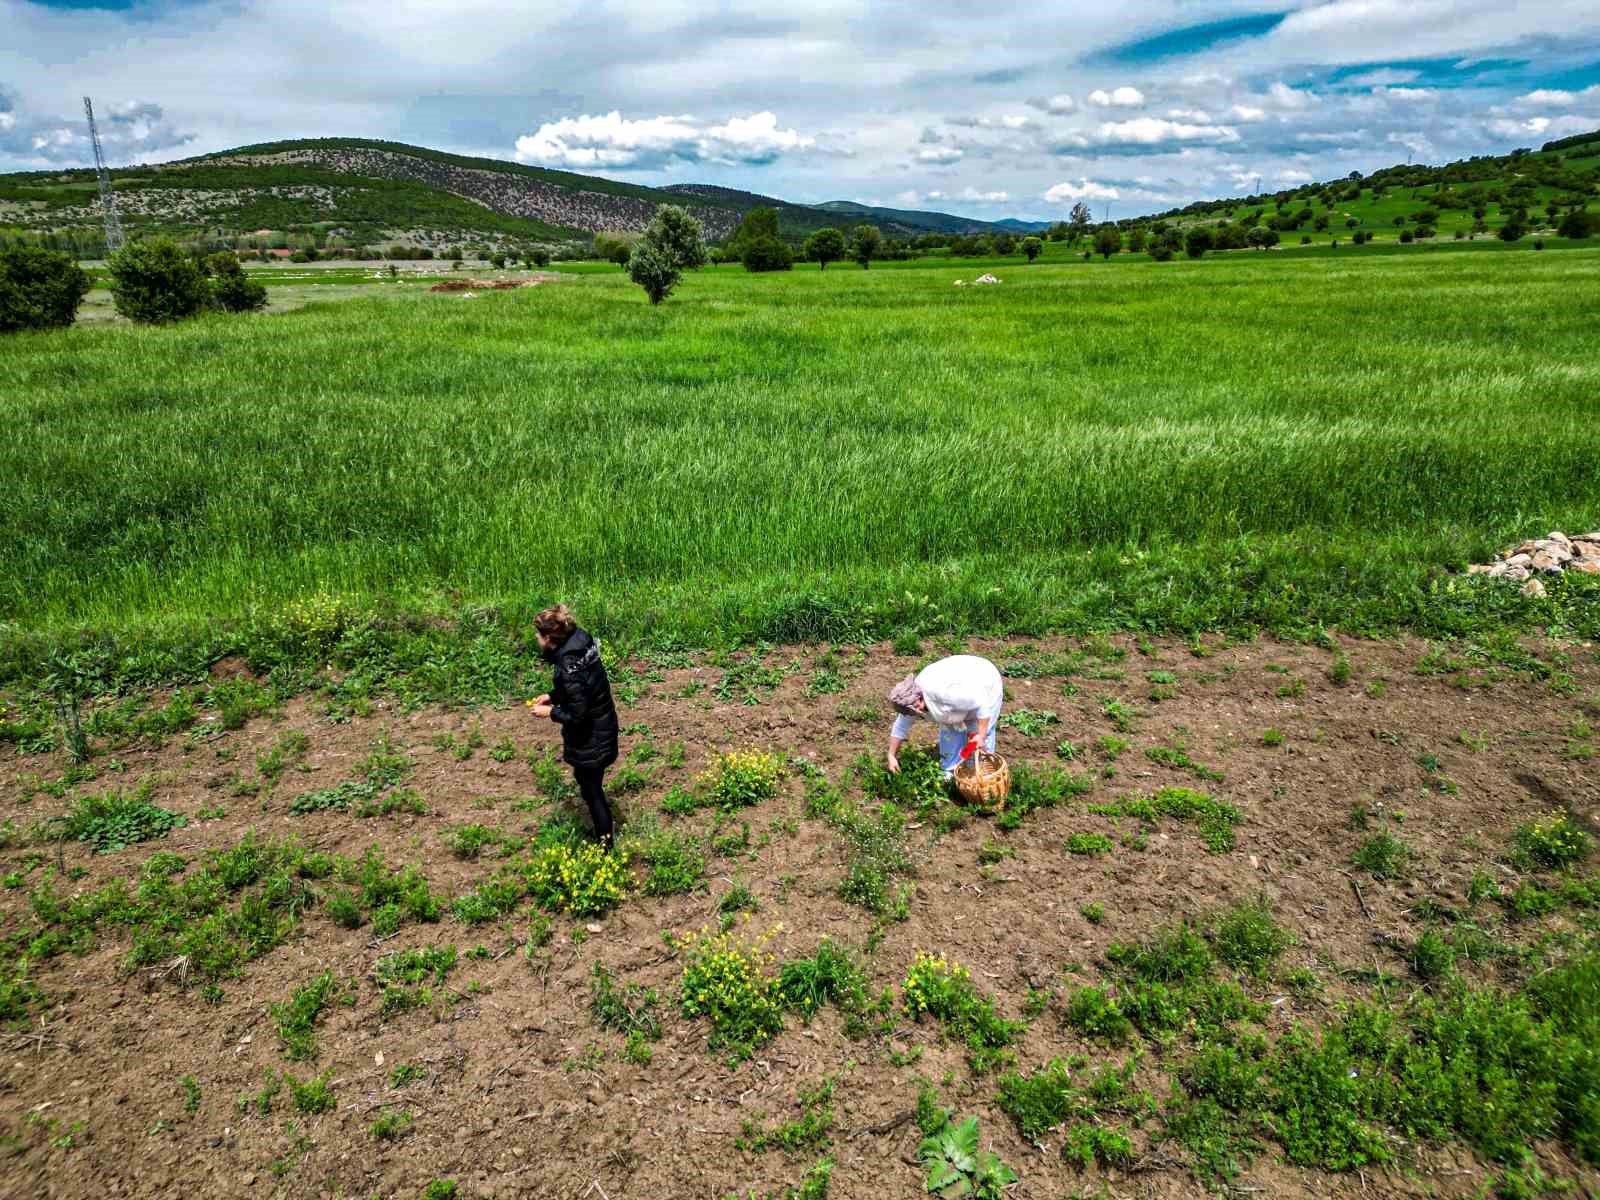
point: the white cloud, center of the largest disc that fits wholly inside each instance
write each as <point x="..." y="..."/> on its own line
<point x="1055" y="105"/>
<point x="1408" y="95"/>
<point x="1285" y="97"/>
<point x="1414" y="141"/>
<point x="1084" y="189"/>
<point x="940" y="156"/>
<point x="1552" y="98"/>
<point x="1533" y="126"/>
<point x="1295" y="175"/>
<point x="1247" y="113"/>
<point x="1198" y="115"/>
<point x="614" y="142"/>
<point x="1152" y="131"/>
<point x="974" y="196"/>
<point x="1122" y="97"/>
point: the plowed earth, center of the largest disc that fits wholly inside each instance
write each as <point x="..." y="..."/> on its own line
<point x="509" y="1105"/>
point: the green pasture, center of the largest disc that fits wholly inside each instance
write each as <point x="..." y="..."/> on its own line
<point x="1258" y="439"/>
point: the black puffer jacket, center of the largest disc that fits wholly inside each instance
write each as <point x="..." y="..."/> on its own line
<point x="581" y="703"/>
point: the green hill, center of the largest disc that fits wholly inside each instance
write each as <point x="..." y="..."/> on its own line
<point x="1469" y="198"/>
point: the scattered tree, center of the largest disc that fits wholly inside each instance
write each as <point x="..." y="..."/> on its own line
<point x="669" y="243"/>
<point x="767" y="254"/>
<point x="1032" y="247"/>
<point x="1261" y="237"/>
<point x="1577" y="225"/>
<point x="1005" y="244"/>
<point x="677" y="235"/>
<point x="1515" y="228"/>
<point x="1078" y="222"/>
<point x="39" y="289"/>
<point x="1108" y="241"/>
<point x="1197" y="242"/>
<point x="539" y="257"/>
<point x="1138" y="240"/>
<point x="865" y="243"/>
<point x="825" y="246"/>
<point x="154" y="281"/>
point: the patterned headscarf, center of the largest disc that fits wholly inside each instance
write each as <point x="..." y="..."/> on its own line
<point x="905" y="695"/>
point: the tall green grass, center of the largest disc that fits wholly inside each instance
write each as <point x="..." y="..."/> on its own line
<point x="1139" y="443"/>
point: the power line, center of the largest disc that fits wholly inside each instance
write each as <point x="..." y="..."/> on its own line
<point x="108" y="202"/>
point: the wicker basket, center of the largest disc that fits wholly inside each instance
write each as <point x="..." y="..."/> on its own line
<point x="983" y="781"/>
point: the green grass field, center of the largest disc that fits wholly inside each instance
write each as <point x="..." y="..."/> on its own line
<point x="1275" y="440"/>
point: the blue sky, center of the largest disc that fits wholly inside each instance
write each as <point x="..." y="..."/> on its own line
<point x="1004" y="109"/>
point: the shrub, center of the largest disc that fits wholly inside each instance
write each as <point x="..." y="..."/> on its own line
<point x="652" y="270"/>
<point x="234" y="291"/>
<point x="1577" y="224"/>
<point x="727" y="981"/>
<point x="39" y="289"/>
<point x="766" y="254"/>
<point x="155" y="281"/>
<point x="825" y="246"/>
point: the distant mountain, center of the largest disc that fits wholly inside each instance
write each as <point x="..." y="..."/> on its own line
<point x="1017" y="226"/>
<point x="910" y="222"/>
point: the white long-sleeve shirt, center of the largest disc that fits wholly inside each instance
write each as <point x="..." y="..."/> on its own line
<point x="957" y="691"/>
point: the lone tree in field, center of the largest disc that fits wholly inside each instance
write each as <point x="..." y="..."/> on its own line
<point x="669" y="244"/>
<point x="39" y="289"/>
<point x="865" y="244"/>
<point x="1078" y="222"/>
<point x="677" y="234"/>
<point x="826" y="246"/>
<point x="1108" y="241"/>
<point x="156" y="281"/>
<point x="1032" y="247"/>
<point x="1197" y="242"/>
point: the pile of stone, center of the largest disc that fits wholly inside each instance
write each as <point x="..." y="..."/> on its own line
<point x="985" y="278"/>
<point x="1544" y="556"/>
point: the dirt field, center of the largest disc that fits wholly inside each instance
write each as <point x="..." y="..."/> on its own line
<point x="514" y="1103"/>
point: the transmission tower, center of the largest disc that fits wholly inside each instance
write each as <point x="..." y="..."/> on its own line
<point x="108" y="202"/>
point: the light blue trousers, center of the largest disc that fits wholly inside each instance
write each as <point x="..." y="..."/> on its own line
<point x="952" y="740"/>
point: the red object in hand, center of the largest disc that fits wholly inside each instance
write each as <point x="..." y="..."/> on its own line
<point x="969" y="749"/>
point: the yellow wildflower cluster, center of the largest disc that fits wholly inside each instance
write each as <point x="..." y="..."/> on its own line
<point x="1554" y="840"/>
<point x="743" y="778"/>
<point x="932" y="983"/>
<point x="321" y="615"/>
<point x="585" y="881"/>
<point x="727" y="979"/>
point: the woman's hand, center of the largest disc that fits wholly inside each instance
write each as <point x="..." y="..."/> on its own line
<point x="541" y="708"/>
<point x="894" y="763"/>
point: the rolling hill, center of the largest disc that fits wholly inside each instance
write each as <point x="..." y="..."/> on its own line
<point x="362" y="192"/>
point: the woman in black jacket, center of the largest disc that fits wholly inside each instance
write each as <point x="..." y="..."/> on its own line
<point x="580" y="702"/>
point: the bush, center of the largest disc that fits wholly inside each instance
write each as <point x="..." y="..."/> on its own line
<point x="1577" y="225"/>
<point x="39" y="289"/>
<point x="233" y="291"/>
<point x="155" y="281"/>
<point x="767" y="254"/>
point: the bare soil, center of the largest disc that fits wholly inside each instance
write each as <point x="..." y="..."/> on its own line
<point x="509" y="1109"/>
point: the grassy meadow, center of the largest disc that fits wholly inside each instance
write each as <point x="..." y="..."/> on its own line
<point x="1280" y="440"/>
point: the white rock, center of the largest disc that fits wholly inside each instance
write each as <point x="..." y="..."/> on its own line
<point x="1520" y="560"/>
<point x="1532" y="588"/>
<point x="1516" y="574"/>
<point x="1586" y="549"/>
<point x="1557" y="536"/>
<point x="986" y="278"/>
<point x="1550" y="560"/>
<point x="1586" y="566"/>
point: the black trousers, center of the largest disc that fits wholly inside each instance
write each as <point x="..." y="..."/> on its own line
<point x="591" y="786"/>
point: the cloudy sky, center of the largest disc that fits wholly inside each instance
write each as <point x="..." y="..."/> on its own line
<point x="996" y="109"/>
